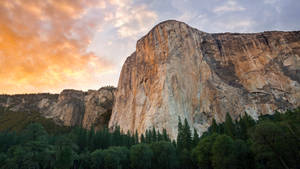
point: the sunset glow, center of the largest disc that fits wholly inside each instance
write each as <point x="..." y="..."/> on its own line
<point x="50" y="45"/>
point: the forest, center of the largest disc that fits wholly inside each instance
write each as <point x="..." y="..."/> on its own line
<point x="272" y="141"/>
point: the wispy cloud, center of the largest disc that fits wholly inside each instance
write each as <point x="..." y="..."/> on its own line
<point x="229" y="6"/>
<point x="129" y="19"/>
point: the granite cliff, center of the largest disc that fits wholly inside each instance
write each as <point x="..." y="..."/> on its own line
<point x="69" y="108"/>
<point x="178" y="71"/>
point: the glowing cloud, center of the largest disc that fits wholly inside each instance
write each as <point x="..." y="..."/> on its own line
<point x="43" y="46"/>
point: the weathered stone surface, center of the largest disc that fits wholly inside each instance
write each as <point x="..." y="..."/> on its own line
<point x="69" y="108"/>
<point x="28" y="102"/>
<point x="98" y="107"/>
<point x="177" y="70"/>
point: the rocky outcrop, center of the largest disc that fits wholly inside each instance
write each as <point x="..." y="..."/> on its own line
<point x="28" y="102"/>
<point x="178" y="71"/>
<point x="69" y="108"/>
<point x="98" y="107"/>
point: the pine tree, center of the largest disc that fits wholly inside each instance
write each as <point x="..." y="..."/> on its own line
<point x="196" y="138"/>
<point x="229" y="126"/>
<point x="165" y="135"/>
<point x="159" y="136"/>
<point x="214" y="127"/>
<point x="117" y="136"/>
<point x="143" y="140"/>
<point x="154" y="137"/>
<point x="187" y="135"/>
<point x="91" y="138"/>
<point x="128" y="139"/>
<point x="148" y="138"/>
<point x="136" y="137"/>
<point x="180" y="136"/>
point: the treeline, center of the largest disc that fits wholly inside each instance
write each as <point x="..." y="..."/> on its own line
<point x="270" y="142"/>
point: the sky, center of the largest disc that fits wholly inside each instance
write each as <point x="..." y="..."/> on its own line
<point x="51" y="45"/>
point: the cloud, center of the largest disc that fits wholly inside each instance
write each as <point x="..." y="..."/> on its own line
<point x="43" y="46"/>
<point x="49" y="45"/>
<point x="129" y="19"/>
<point x="243" y="25"/>
<point x="270" y="1"/>
<point x="229" y="6"/>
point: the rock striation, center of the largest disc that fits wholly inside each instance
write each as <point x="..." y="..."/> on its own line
<point x="69" y="108"/>
<point x="178" y="71"/>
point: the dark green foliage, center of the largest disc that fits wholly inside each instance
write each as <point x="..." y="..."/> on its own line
<point x="184" y="144"/>
<point x="231" y="154"/>
<point x="116" y="158"/>
<point x="274" y="146"/>
<point x="3" y="158"/>
<point x="271" y="142"/>
<point x="165" y="135"/>
<point x="187" y="135"/>
<point x="17" y="121"/>
<point x="229" y="128"/>
<point x="223" y="155"/>
<point x="214" y="127"/>
<point x="243" y="156"/>
<point x="97" y="159"/>
<point x="143" y="140"/>
<point x="243" y="125"/>
<point x="154" y="137"/>
<point x="180" y="136"/>
<point x="141" y="156"/>
<point x="202" y="154"/>
<point x="65" y="152"/>
<point x="196" y="138"/>
<point x="164" y="155"/>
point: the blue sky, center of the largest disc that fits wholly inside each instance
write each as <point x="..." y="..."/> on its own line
<point x="138" y="17"/>
<point x="82" y="44"/>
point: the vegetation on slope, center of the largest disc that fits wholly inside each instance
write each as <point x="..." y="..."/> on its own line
<point x="17" y="121"/>
<point x="271" y="142"/>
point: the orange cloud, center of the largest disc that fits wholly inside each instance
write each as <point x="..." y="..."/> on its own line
<point x="43" y="46"/>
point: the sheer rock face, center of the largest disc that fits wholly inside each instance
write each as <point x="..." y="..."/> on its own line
<point x="69" y="108"/>
<point x="178" y="71"/>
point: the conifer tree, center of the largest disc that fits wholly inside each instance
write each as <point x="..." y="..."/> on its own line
<point x="136" y="137"/>
<point x="159" y="136"/>
<point x="143" y="140"/>
<point x="91" y="137"/>
<point x="148" y="137"/>
<point x="229" y="126"/>
<point x="165" y="135"/>
<point x="214" y="127"/>
<point x="180" y="136"/>
<point x="196" y="138"/>
<point x="154" y="137"/>
<point x="187" y="135"/>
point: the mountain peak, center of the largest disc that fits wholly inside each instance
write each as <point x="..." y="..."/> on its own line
<point x="177" y="70"/>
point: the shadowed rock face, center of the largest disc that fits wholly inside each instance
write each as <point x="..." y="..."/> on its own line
<point x="69" y="108"/>
<point x="177" y="70"/>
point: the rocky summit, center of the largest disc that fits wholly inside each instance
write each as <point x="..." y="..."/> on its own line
<point x="178" y="71"/>
<point x="69" y="108"/>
